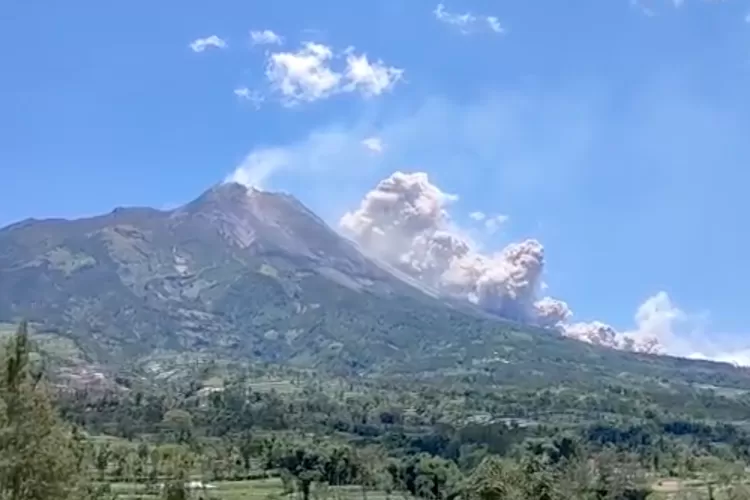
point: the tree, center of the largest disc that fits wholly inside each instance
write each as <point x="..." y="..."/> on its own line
<point x="248" y="447"/>
<point x="537" y="479"/>
<point x="180" y="423"/>
<point x="495" y="479"/>
<point x="179" y="462"/>
<point x="430" y="477"/>
<point x="101" y="459"/>
<point x="342" y="466"/>
<point x="38" y="461"/>
<point x="306" y="464"/>
<point x="367" y="466"/>
<point x="120" y="459"/>
<point x="176" y="490"/>
<point x="577" y="479"/>
<point x="618" y="476"/>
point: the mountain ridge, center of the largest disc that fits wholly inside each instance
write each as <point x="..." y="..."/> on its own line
<point x="256" y="275"/>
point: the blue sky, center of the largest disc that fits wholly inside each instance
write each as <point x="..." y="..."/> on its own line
<point x="614" y="132"/>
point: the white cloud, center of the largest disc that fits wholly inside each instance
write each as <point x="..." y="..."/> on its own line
<point x="494" y="23"/>
<point x="461" y="21"/>
<point x="642" y="7"/>
<point x="467" y="22"/>
<point x="242" y="92"/>
<point x="252" y="96"/>
<point x="493" y="223"/>
<point x="647" y="8"/>
<point x="201" y="44"/>
<point x="374" y="144"/>
<point x="308" y="75"/>
<point x="371" y="79"/>
<point x="265" y="37"/>
<point x="304" y="75"/>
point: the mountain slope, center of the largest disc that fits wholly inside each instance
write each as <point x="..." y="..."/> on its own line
<point x="233" y="269"/>
<point x="258" y="276"/>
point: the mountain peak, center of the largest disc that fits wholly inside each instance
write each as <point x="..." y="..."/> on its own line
<point x="224" y="195"/>
<point x="249" y="217"/>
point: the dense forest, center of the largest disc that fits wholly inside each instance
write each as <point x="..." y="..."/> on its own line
<point x="273" y="432"/>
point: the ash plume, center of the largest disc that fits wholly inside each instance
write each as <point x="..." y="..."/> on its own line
<point x="594" y="332"/>
<point x="405" y="221"/>
<point x="655" y="323"/>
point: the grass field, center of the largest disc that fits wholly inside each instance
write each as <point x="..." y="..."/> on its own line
<point x="220" y="490"/>
<point x="673" y="489"/>
<point x="257" y="489"/>
<point x="280" y="386"/>
<point x="264" y="489"/>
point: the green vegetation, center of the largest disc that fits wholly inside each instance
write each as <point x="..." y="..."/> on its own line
<point x="39" y="457"/>
<point x="226" y="431"/>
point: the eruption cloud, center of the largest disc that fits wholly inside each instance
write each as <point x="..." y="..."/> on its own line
<point x="405" y="221"/>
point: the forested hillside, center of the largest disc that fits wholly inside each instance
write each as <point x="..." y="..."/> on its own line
<point x="227" y="430"/>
